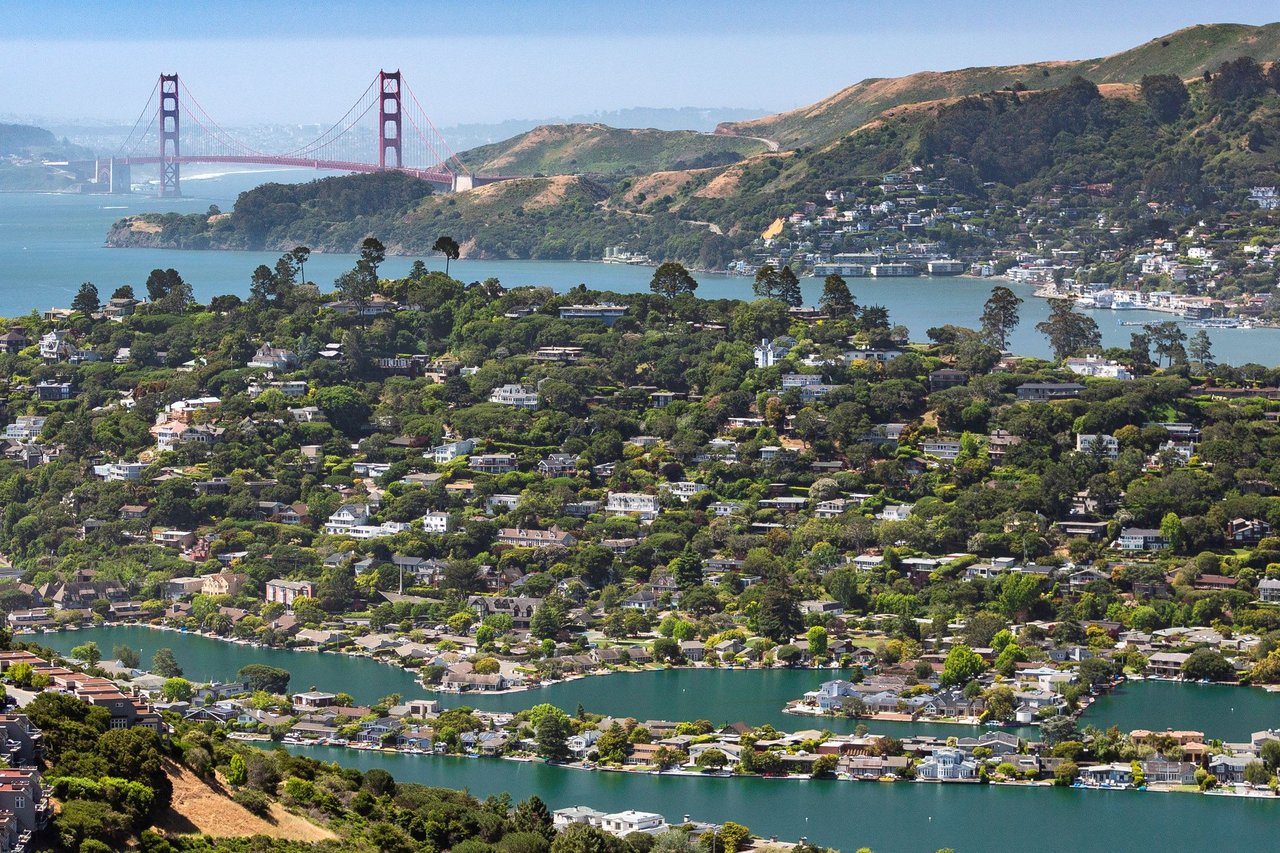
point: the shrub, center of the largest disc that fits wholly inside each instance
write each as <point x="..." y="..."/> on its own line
<point x="253" y="800"/>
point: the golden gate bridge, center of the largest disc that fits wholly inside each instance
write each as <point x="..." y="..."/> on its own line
<point x="385" y="129"/>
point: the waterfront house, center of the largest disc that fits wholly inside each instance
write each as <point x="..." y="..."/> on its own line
<point x="731" y="750"/>
<point x="1166" y="664"/>
<point x="313" y="699"/>
<point x="1170" y="772"/>
<point x="471" y="681"/>
<point x="1118" y="773"/>
<point x="948" y="764"/>
<point x="1228" y="769"/>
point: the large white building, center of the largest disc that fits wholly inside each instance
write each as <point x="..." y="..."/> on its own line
<point x="644" y="507"/>
<point x="119" y="471"/>
<point x="768" y="353"/>
<point x="1102" y="443"/>
<point x="443" y="454"/>
<point x="1096" y="365"/>
<point x="345" y="517"/>
<point x="520" y="396"/>
<point x="436" y="522"/>
<point x="620" y="824"/>
<point x="25" y="428"/>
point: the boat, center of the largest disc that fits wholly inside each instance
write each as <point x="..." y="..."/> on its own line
<point x="1218" y="323"/>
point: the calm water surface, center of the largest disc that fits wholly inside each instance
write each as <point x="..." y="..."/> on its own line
<point x="50" y="243"/>
<point x="753" y="696"/>
<point x="888" y="818"/>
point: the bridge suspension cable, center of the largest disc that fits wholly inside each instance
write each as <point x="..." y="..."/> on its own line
<point x="361" y="108"/>
<point x="148" y="109"/>
<point x="441" y="153"/>
<point x="381" y="130"/>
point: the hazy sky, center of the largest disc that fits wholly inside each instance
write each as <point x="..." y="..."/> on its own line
<point x="482" y="60"/>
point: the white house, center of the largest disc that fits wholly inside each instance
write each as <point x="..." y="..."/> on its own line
<point x="942" y="448"/>
<point x="119" y="471"/>
<point x="289" y="388"/>
<point x="436" y="522"/>
<point x="768" y="354"/>
<point x="1096" y="365"/>
<point x="684" y="489"/>
<point x="895" y="512"/>
<point x="25" y="428"/>
<point x="1101" y="443"/>
<point x="273" y="358"/>
<point x="1141" y="539"/>
<point x="445" y="453"/>
<point x="644" y="507"/>
<point x="373" y="531"/>
<point x="520" y="396"/>
<point x="346" y="517"/>
<point x="948" y="764"/>
<point x="1269" y="590"/>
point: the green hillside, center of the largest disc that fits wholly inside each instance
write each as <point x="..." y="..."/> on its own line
<point x="1012" y="146"/>
<point x="569" y="149"/>
<point x="1187" y="53"/>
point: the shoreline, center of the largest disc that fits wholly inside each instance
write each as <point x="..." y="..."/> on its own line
<point x="650" y="770"/>
<point x="523" y="688"/>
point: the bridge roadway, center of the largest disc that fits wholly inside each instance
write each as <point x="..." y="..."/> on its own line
<point x="443" y="179"/>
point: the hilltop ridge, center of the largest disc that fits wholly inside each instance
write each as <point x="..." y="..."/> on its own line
<point x="1188" y="52"/>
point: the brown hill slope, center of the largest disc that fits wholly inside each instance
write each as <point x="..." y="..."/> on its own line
<point x="205" y="809"/>
<point x="1187" y="53"/>
<point x="568" y="149"/>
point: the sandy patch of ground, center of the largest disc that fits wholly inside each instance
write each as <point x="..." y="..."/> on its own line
<point x="658" y="184"/>
<point x="552" y="193"/>
<point x="201" y="808"/>
<point x="142" y="227"/>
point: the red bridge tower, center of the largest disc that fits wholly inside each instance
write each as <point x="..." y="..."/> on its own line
<point x="389" y="118"/>
<point x="169" y="150"/>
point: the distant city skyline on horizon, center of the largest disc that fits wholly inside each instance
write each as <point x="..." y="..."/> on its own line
<point x="486" y="61"/>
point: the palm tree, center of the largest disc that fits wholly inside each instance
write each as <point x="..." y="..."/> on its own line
<point x="448" y="247"/>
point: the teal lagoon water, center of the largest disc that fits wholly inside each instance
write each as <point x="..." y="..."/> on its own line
<point x="205" y="659"/>
<point x="889" y="818"/>
<point x="1221" y="711"/>
<point x="847" y="815"/>
<point x="50" y="243"/>
<point x="754" y="696"/>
